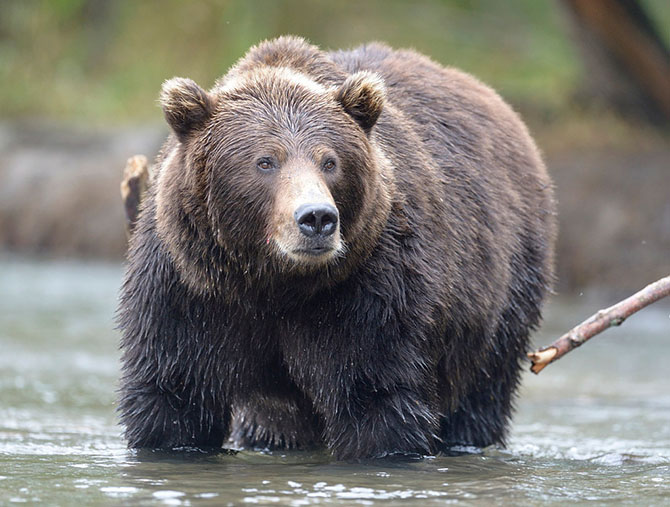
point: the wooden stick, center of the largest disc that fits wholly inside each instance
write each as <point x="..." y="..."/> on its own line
<point x="604" y="319"/>
<point x="136" y="180"/>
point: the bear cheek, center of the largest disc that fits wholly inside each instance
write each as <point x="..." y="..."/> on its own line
<point x="237" y="214"/>
<point x="355" y="195"/>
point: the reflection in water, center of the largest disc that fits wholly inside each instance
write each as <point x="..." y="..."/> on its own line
<point x="594" y="426"/>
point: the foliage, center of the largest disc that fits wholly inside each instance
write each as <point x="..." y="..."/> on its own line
<point x="105" y="60"/>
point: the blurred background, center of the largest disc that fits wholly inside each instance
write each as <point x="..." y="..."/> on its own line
<point x="80" y="80"/>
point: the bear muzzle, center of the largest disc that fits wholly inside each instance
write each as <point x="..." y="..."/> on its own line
<point x="307" y="226"/>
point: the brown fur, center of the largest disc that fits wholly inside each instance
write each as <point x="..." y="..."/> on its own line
<point x="407" y="337"/>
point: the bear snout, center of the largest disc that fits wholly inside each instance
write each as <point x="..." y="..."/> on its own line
<point x="306" y="223"/>
<point x="316" y="220"/>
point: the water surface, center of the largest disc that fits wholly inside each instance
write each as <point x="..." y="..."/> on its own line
<point x="594" y="426"/>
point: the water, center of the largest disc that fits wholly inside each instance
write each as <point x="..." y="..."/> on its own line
<point x="594" y="426"/>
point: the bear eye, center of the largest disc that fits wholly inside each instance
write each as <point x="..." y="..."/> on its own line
<point x="265" y="164"/>
<point x="329" y="165"/>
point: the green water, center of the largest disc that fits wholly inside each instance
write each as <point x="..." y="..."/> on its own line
<point x="594" y="426"/>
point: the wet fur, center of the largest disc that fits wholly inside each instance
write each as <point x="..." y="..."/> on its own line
<point x="411" y="342"/>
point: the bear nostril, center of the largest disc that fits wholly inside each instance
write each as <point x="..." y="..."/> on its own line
<point x="309" y="221"/>
<point x="316" y="219"/>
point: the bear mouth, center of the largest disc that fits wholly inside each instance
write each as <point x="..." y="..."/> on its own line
<point x="309" y="251"/>
<point x="316" y="251"/>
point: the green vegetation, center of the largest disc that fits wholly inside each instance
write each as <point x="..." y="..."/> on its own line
<point x="105" y="60"/>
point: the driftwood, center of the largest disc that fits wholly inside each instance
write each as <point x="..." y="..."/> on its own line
<point x="136" y="179"/>
<point x="604" y="319"/>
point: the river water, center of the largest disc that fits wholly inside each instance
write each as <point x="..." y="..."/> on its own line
<point x="594" y="426"/>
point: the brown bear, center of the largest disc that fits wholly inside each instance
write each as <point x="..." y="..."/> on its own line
<point x="343" y="249"/>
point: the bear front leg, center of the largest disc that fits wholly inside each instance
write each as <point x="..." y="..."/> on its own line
<point x="274" y="422"/>
<point x="174" y="363"/>
<point x="156" y="418"/>
<point x="376" y="392"/>
<point x="373" y="423"/>
<point x="172" y="391"/>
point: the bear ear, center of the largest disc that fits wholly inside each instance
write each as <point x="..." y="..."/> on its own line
<point x="185" y="105"/>
<point x="362" y="95"/>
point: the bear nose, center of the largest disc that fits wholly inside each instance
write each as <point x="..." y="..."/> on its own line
<point x="316" y="219"/>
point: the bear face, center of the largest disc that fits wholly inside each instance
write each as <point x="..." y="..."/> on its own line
<point x="281" y="165"/>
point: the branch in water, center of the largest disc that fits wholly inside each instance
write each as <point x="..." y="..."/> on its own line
<point x="604" y="319"/>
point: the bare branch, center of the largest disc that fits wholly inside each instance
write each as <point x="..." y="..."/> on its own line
<point x="136" y="180"/>
<point x="604" y="319"/>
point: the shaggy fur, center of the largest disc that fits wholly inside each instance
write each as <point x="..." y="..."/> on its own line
<point x="409" y="338"/>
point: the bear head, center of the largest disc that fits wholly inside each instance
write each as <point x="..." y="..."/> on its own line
<point x="271" y="174"/>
